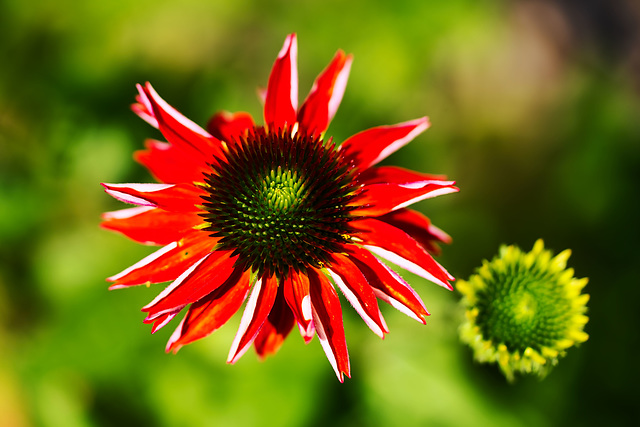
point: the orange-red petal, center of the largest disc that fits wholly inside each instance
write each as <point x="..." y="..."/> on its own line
<point x="275" y="329"/>
<point x="228" y="126"/>
<point x="387" y="284"/>
<point x="167" y="263"/>
<point x="358" y="292"/>
<point x="178" y="130"/>
<point x="149" y="225"/>
<point x="196" y="282"/>
<point x="255" y="314"/>
<point x="419" y="227"/>
<point x="370" y="146"/>
<point x="326" y="93"/>
<point x="211" y="312"/>
<point x="281" y="101"/>
<point x="388" y="188"/>
<point x="296" y="294"/>
<point x="170" y="164"/>
<point x="327" y="318"/>
<point x="398" y="247"/>
<point x="170" y="197"/>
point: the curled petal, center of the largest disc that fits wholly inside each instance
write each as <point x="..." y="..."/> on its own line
<point x="326" y="93"/>
<point x="370" y="146"/>
<point x="281" y="100"/>
<point x="165" y="264"/>
<point x="211" y="312"/>
<point x="296" y="294"/>
<point x="327" y="318"/>
<point x="149" y="225"/>
<point x="170" y="197"/>
<point x="387" y="284"/>
<point x="275" y="329"/>
<point x="398" y="247"/>
<point x="170" y="164"/>
<point x="255" y="314"/>
<point x="419" y="227"/>
<point x="199" y="280"/>
<point x="230" y="126"/>
<point x="358" y="292"/>
<point x="178" y="130"/>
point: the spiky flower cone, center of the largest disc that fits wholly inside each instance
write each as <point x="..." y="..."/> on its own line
<point x="523" y="310"/>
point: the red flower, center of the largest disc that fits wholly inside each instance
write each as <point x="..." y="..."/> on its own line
<point x="278" y="214"/>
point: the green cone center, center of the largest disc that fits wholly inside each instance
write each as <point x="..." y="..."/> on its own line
<point x="280" y="201"/>
<point x="523" y="310"/>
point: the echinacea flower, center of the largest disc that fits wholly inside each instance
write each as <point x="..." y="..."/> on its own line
<point x="277" y="215"/>
<point x="524" y="310"/>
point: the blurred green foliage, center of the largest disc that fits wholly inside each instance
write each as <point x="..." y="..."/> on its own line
<point x="536" y="113"/>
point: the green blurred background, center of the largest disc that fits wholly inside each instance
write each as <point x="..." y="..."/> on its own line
<point x="535" y="108"/>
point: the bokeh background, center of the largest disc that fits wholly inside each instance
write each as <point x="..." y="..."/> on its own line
<point x="535" y="106"/>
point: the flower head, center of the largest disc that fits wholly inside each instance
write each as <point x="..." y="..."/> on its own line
<point x="524" y="310"/>
<point x="277" y="215"/>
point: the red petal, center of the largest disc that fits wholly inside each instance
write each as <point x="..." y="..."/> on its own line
<point x="161" y="321"/>
<point x="398" y="247"/>
<point x="230" y="126"/>
<point x="387" y="284"/>
<point x="389" y="188"/>
<point x="327" y="317"/>
<point x="397" y="175"/>
<point x="143" y="108"/>
<point x="296" y="294"/>
<point x="325" y="96"/>
<point x="370" y="146"/>
<point x="275" y="329"/>
<point x="255" y="313"/>
<point x="167" y="263"/>
<point x="358" y="292"/>
<point x="170" y="164"/>
<point x="211" y="312"/>
<point x="149" y="225"/>
<point x="170" y="197"/>
<point x="281" y="101"/>
<point x="199" y="280"/>
<point x="419" y="227"/>
<point x="179" y="130"/>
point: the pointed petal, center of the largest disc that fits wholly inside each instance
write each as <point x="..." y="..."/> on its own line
<point x="211" y="312"/>
<point x="149" y="225"/>
<point x="398" y="247"/>
<point x="255" y="313"/>
<point x="296" y="294"/>
<point x="170" y="164"/>
<point x="327" y="318"/>
<point x="326" y="93"/>
<point x="143" y="108"/>
<point x="178" y="130"/>
<point x="275" y="329"/>
<point x="228" y="126"/>
<point x="358" y="292"/>
<point x="170" y="197"/>
<point x="398" y="175"/>
<point x="419" y="227"/>
<point x="199" y="280"/>
<point x="370" y="146"/>
<point x="387" y="284"/>
<point x="388" y="188"/>
<point x="281" y="101"/>
<point x="161" y="321"/>
<point x="167" y="263"/>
